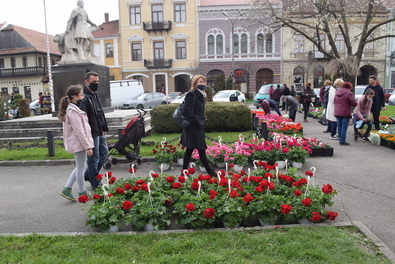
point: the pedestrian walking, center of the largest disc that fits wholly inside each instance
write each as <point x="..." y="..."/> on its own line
<point x="278" y="92"/>
<point x="330" y="110"/>
<point x="97" y="120"/>
<point x="77" y="138"/>
<point x="344" y="100"/>
<point x="307" y="94"/>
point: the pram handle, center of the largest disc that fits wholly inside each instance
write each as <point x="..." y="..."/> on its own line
<point x="141" y="112"/>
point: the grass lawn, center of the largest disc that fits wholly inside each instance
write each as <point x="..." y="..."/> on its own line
<point x="281" y="245"/>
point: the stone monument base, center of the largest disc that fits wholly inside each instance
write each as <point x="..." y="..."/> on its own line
<point x="64" y="75"/>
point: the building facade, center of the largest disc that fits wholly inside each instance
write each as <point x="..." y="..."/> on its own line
<point x="24" y="62"/>
<point x="159" y="43"/>
<point x="234" y="45"/>
<point x="107" y="46"/>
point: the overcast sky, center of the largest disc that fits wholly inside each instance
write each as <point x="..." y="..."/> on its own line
<point x="30" y="13"/>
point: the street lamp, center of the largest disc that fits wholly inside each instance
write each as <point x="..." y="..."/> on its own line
<point x="232" y="21"/>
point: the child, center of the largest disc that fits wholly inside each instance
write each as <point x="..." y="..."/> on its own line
<point x="77" y="138"/>
<point x="361" y="112"/>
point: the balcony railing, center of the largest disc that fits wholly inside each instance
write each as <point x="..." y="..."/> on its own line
<point x="157" y="26"/>
<point x="27" y="71"/>
<point x="317" y="55"/>
<point x="158" y="63"/>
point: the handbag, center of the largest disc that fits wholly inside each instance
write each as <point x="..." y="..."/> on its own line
<point x="178" y="116"/>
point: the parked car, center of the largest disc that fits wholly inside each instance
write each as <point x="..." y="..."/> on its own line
<point x="229" y="96"/>
<point x="179" y="99"/>
<point x="35" y="107"/>
<point x="146" y="100"/>
<point x="387" y="93"/>
<point x="359" y="89"/>
<point x="174" y="95"/>
<point x="263" y="93"/>
<point x="123" y="91"/>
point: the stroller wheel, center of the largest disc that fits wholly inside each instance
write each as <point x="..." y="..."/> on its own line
<point x="139" y="161"/>
<point x="114" y="161"/>
<point x="107" y="165"/>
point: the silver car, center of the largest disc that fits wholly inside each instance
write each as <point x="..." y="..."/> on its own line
<point x="34" y="107"/>
<point x="146" y="101"/>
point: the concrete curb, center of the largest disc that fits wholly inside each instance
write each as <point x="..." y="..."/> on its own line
<point x="12" y="163"/>
<point x="376" y="241"/>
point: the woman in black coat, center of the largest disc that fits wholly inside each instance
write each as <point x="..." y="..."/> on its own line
<point x="193" y="136"/>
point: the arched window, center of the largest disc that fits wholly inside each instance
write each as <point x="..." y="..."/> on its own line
<point x="264" y="40"/>
<point x="244" y="43"/>
<point x="236" y="43"/>
<point x="220" y="44"/>
<point x="210" y="44"/>
<point x="298" y="75"/>
<point x="269" y="43"/>
<point x="260" y="43"/>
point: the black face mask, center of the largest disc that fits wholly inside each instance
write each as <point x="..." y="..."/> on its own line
<point x="93" y="86"/>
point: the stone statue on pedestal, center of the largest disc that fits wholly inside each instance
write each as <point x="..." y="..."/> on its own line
<point x="77" y="42"/>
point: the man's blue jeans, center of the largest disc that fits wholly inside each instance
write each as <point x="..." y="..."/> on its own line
<point x="342" y="124"/>
<point x="96" y="161"/>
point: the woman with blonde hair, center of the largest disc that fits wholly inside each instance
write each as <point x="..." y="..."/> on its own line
<point x="77" y="138"/>
<point x="330" y="109"/>
<point x="193" y="136"/>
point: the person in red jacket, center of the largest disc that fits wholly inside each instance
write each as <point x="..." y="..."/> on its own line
<point x="344" y="100"/>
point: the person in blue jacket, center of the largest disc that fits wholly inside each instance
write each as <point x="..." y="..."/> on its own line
<point x="269" y="103"/>
<point x="378" y="100"/>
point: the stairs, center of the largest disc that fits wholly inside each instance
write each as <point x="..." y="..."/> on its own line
<point x="32" y="128"/>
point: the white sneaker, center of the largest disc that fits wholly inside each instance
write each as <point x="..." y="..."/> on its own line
<point x="334" y="137"/>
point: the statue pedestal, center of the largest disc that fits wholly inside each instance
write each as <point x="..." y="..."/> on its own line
<point x="64" y="75"/>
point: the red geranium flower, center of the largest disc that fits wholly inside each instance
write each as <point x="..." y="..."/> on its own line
<point x="297" y="192"/>
<point x="231" y="166"/>
<point x="127" y="186"/>
<point x="286" y="208"/>
<point x="139" y="182"/>
<point x="260" y="188"/>
<point x="83" y="199"/>
<point x="155" y="175"/>
<point x="154" y="151"/>
<point x="316" y="217"/>
<point x="96" y="197"/>
<point x="119" y="191"/>
<point x="181" y="179"/>
<point x="144" y="187"/>
<point x="209" y="213"/>
<point x="135" y="189"/>
<point x="109" y="195"/>
<point x="109" y="174"/>
<point x="331" y="215"/>
<point x="99" y="177"/>
<point x="213" y="180"/>
<point x="306" y="202"/>
<point x="212" y="194"/>
<point x="195" y="186"/>
<point x="234" y="194"/>
<point x="176" y="185"/>
<point x="327" y="188"/>
<point x="112" y="180"/>
<point x="191" y="170"/>
<point x="248" y="198"/>
<point x="309" y="173"/>
<point x="190" y="207"/>
<point x="168" y="200"/>
<point x="127" y="205"/>
<point x="170" y="179"/>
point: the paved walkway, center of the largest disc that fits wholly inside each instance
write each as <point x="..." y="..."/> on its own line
<point x="362" y="174"/>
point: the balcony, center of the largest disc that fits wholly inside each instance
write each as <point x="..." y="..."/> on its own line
<point x="158" y="63"/>
<point x="157" y="26"/>
<point x="317" y="55"/>
<point x="20" y="72"/>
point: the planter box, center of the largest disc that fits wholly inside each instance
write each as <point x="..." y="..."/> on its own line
<point x="388" y="144"/>
<point x="322" y="152"/>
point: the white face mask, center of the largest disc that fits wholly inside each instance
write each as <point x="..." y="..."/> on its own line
<point x="327" y="87"/>
<point x="370" y="99"/>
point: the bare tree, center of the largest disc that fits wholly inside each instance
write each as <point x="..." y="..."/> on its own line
<point x="339" y="29"/>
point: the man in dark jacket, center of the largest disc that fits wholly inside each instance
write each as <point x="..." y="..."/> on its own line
<point x="286" y="91"/>
<point x="92" y="106"/>
<point x="378" y="100"/>
<point x="278" y="92"/>
<point x="291" y="105"/>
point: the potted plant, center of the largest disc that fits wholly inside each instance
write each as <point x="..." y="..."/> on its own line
<point x="163" y="155"/>
<point x="231" y="208"/>
<point x="298" y="154"/>
<point x="217" y="153"/>
<point x="178" y="154"/>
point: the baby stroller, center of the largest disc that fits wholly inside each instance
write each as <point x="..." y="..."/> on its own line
<point x="129" y="143"/>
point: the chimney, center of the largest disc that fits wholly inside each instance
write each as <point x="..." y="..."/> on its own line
<point x="105" y="17"/>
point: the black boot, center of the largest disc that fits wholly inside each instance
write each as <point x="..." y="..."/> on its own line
<point x="213" y="173"/>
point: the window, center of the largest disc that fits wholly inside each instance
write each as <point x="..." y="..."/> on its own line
<point x="13" y="64"/>
<point x="136" y="52"/>
<point x="298" y="43"/>
<point x="158" y="51"/>
<point x="244" y="43"/>
<point x="2" y="63"/>
<point x="157" y="13"/>
<point x="109" y="50"/>
<point x="339" y="43"/>
<point x="135" y="15"/>
<point x="40" y="63"/>
<point x="236" y="43"/>
<point x="24" y="61"/>
<point x="210" y="44"/>
<point x="181" y="50"/>
<point x="369" y="47"/>
<point x="215" y="41"/>
<point x="261" y="43"/>
<point x="180" y="13"/>
<point x="269" y="43"/>
<point x="220" y="44"/>
<point x="319" y="39"/>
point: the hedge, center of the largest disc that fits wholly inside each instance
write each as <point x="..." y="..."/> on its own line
<point x="221" y="117"/>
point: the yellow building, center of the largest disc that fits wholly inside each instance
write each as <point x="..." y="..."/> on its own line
<point x="159" y="43"/>
<point x="107" y="46"/>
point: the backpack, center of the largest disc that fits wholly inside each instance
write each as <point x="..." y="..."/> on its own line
<point x="178" y="116"/>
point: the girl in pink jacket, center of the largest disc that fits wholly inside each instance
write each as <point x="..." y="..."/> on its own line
<point x="77" y="138"/>
<point x="362" y="112"/>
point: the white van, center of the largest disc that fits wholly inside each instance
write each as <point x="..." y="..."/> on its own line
<point x="124" y="91"/>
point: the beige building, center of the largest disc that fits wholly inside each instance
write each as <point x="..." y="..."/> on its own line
<point x="107" y="46"/>
<point x="302" y="62"/>
<point x="159" y="43"/>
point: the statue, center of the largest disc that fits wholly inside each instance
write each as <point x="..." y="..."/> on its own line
<point x="77" y="42"/>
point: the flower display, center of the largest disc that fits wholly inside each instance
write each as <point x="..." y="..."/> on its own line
<point x="164" y="153"/>
<point x="200" y="201"/>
